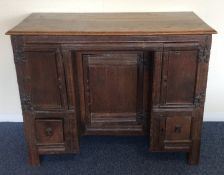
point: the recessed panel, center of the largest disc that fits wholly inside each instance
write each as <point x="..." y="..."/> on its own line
<point x="113" y="89"/>
<point x="113" y="83"/>
<point x="179" y="77"/>
<point x="43" y="80"/>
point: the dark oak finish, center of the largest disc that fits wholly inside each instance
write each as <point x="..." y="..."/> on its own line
<point x="112" y="74"/>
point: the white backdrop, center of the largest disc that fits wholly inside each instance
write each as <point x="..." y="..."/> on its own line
<point x="13" y="11"/>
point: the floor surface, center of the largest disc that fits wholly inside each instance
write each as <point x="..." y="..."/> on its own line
<point x="112" y="155"/>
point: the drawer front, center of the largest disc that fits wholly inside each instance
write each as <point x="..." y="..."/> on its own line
<point x="55" y="132"/>
<point x="171" y="131"/>
<point x="178" y="128"/>
<point x="49" y="131"/>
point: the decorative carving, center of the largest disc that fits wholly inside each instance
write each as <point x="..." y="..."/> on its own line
<point x="19" y="57"/>
<point x="49" y="132"/>
<point x="18" y="50"/>
<point x="141" y="60"/>
<point x="26" y="103"/>
<point x="199" y="100"/>
<point x="140" y="118"/>
<point x="204" y="53"/>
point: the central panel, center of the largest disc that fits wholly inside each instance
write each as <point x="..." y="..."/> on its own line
<point x="112" y="92"/>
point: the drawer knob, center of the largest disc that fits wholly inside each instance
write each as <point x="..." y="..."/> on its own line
<point x="177" y="129"/>
<point x="177" y="52"/>
<point x="49" y="132"/>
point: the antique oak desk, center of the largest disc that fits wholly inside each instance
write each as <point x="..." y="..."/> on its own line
<point x="112" y="74"/>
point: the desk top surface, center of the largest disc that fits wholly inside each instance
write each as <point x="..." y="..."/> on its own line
<point x="155" y="23"/>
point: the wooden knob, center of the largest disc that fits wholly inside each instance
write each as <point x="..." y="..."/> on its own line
<point x="177" y="129"/>
<point x="177" y="52"/>
<point x="49" y="132"/>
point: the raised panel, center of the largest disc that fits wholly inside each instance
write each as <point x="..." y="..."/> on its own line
<point x="113" y="88"/>
<point x="179" y="78"/>
<point x="113" y="83"/>
<point x="44" y="79"/>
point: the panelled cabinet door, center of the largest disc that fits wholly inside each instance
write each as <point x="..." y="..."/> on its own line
<point x="113" y="90"/>
<point x="44" y="79"/>
<point x="179" y="75"/>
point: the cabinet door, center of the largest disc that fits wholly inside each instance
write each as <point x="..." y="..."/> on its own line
<point x="179" y="77"/>
<point x="113" y="91"/>
<point x="44" y="79"/>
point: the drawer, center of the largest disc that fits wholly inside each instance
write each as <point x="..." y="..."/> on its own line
<point x="178" y="128"/>
<point x="49" y="131"/>
<point x="171" y="131"/>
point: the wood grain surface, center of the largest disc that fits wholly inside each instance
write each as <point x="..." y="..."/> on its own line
<point x="155" y="23"/>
